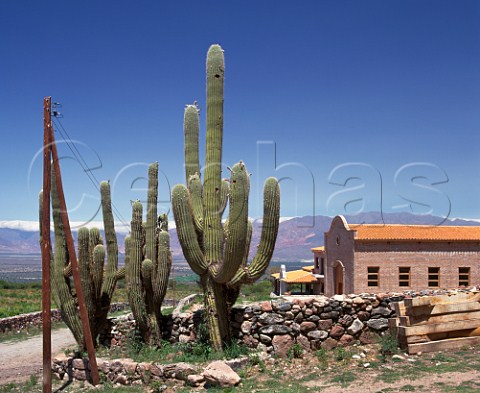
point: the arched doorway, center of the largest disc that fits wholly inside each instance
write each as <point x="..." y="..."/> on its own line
<point x="339" y="277"/>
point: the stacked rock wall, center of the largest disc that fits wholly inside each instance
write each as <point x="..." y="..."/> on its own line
<point x="274" y="326"/>
<point x="21" y="322"/>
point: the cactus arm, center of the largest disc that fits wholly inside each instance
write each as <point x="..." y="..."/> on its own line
<point x="195" y="189"/>
<point x="95" y="238"/>
<point x="224" y="192"/>
<point x="136" y="291"/>
<point x="67" y="272"/>
<point x="247" y="244"/>
<point x="213" y="232"/>
<point x="97" y="269"/>
<point x="271" y="217"/>
<point x="128" y="244"/>
<point x="109" y="281"/>
<point x="85" y="273"/>
<point x="147" y="278"/>
<point x="151" y="226"/>
<point x="237" y="226"/>
<point x="96" y="263"/>
<point x="68" y="308"/>
<point x="191" y="130"/>
<point x="182" y="212"/>
<point x="192" y="163"/>
<point x="163" y="270"/>
<point x="120" y="273"/>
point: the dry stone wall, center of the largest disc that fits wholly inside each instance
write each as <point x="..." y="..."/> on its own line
<point x="129" y="372"/>
<point x="274" y="326"/>
<point x="21" y="322"/>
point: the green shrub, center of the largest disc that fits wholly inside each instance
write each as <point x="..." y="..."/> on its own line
<point x="322" y="357"/>
<point x="388" y="345"/>
<point x="254" y="360"/>
<point x="341" y="354"/>
<point x="295" y="351"/>
<point x="235" y="350"/>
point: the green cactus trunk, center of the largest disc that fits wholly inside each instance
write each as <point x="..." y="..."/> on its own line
<point x="97" y="285"/>
<point x="218" y="253"/>
<point x="148" y="264"/>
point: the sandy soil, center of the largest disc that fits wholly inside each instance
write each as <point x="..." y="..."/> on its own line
<point x="20" y="359"/>
<point x="369" y="384"/>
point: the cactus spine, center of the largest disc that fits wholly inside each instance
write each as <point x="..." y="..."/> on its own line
<point x="149" y="263"/>
<point x="97" y="285"/>
<point x="218" y="253"/>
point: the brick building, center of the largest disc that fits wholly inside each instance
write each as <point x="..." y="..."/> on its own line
<point x="383" y="258"/>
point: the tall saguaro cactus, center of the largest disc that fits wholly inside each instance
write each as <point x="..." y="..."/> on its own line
<point x="98" y="282"/>
<point x="149" y="263"/>
<point x="218" y="252"/>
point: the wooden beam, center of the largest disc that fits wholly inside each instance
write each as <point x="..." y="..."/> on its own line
<point x="46" y="247"/>
<point x="441" y="345"/>
<point x="426" y="319"/>
<point x="439" y="327"/>
<point x="398" y="307"/>
<point x="442" y="336"/>
<point x="442" y="299"/>
<point x="443" y="309"/>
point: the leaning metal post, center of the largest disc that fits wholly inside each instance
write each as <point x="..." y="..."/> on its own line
<point x="87" y="334"/>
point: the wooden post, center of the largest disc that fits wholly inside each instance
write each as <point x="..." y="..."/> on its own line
<point x="87" y="335"/>
<point x="46" y="247"/>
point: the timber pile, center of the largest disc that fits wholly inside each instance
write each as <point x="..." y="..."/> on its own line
<point x="435" y="323"/>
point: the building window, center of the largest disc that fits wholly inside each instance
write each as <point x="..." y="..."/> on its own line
<point x="372" y="277"/>
<point x="322" y="266"/>
<point x="403" y="276"/>
<point x="433" y="276"/>
<point x="316" y="262"/>
<point x="337" y="240"/>
<point x="463" y="276"/>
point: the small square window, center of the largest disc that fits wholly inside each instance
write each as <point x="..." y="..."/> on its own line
<point x="463" y="276"/>
<point x="373" y="276"/>
<point x="433" y="276"/>
<point x="404" y="276"/>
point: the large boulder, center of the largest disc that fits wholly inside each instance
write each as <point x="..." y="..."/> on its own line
<point x="220" y="374"/>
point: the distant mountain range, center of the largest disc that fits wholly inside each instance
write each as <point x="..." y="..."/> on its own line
<point x="296" y="236"/>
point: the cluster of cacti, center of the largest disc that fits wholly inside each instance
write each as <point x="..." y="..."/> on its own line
<point x="148" y="261"/>
<point x="98" y="282"/>
<point x="218" y="252"/>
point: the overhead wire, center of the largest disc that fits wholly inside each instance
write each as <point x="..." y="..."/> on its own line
<point x="79" y="157"/>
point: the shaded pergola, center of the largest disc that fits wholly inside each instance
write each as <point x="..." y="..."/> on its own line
<point x="304" y="277"/>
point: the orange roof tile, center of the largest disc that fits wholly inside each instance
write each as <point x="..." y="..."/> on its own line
<point x="297" y="277"/>
<point x="415" y="232"/>
<point x="318" y="249"/>
<point x="308" y="268"/>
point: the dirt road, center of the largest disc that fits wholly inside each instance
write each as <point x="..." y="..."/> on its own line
<point x="20" y="359"/>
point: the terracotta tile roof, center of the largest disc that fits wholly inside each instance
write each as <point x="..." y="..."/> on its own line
<point x="308" y="268"/>
<point x="415" y="232"/>
<point x="297" y="277"/>
<point x="318" y="249"/>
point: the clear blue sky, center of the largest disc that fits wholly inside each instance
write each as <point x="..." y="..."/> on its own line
<point x="385" y="83"/>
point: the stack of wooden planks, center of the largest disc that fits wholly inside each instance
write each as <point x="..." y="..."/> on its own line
<point x="435" y="323"/>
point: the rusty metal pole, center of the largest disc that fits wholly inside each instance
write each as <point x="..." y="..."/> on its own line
<point x="46" y="247"/>
<point x="87" y="334"/>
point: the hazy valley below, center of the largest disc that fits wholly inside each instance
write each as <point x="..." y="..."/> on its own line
<point x="20" y="258"/>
